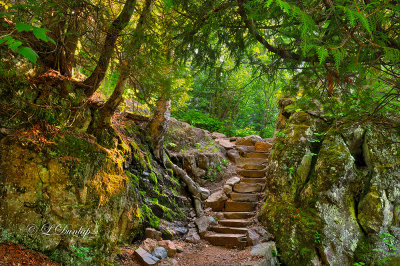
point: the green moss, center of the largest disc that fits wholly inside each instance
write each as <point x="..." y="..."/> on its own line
<point x="153" y="220"/>
<point x="153" y="178"/>
<point x="133" y="178"/>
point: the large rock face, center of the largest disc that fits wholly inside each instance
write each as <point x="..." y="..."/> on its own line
<point x="194" y="150"/>
<point x="44" y="196"/>
<point x="333" y="193"/>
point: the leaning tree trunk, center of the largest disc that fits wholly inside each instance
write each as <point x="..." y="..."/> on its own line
<point x="115" y="99"/>
<point x="158" y="127"/>
<point x="67" y="60"/>
<point x="93" y="82"/>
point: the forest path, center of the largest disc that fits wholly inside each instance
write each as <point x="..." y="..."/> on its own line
<point x="245" y="195"/>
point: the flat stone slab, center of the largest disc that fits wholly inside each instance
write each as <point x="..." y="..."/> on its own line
<point x="253" y="180"/>
<point x="145" y="257"/>
<point x="262" y="155"/>
<point x="243" y="149"/>
<point x="232" y="181"/>
<point x="237" y="206"/>
<point x="227" y="240"/>
<point x="229" y="230"/>
<point x="253" y="166"/>
<point x="226" y="143"/>
<point x="253" y="173"/>
<point x="249" y="197"/>
<point x="239" y="215"/>
<point x="247" y="187"/>
<point x="235" y="222"/>
<point x="243" y="161"/>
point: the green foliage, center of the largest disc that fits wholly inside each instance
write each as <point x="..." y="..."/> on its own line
<point x="81" y="252"/>
<point x="199" y="119"/>
<point x="153" y="220"/>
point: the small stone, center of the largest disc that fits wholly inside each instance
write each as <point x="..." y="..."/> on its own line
<point x="212" y="220"/>
<point x="219" y="216"/>
<point x="249" y="140"/>
<point x="149" y="245"/>
<point x="191" y="225"/>
<point x="169" y="246"/>
<point x="265" y="235"/>
<point x="145" y="257"/>
<point x="232" y="181"/>
<point x="252" y="238"/>
<point x="225" y="143"/>
<point x="179" y="249"/>
<point x="216" y="135"/>
<point x="227" y="189"/>
<point x="202" y="224"/>
<point x="192" y="236"/>
<point x="160" y="252"/>
<point x="205" y="193"/>
<point x="152" y="233"/>
<point x="216" y="201"/>
<point x="181" y="230"/>
<point x="233" y="155"/>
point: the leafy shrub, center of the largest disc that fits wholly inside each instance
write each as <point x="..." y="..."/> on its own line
<point x="201" y="120"/>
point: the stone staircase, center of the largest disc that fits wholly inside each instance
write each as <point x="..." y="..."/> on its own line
<point x="244" y="192"/>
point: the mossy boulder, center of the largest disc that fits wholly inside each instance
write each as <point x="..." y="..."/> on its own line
<point x="332" y="192"/>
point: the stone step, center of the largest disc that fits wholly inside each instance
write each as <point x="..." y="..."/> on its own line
<point x="237" y="206"/>
<point x="252" y="173"/>
<point x="227" y="240"/>
<point x="253" y="180"/>
<point x="262" y="146"/>
<point x="243" y="161"/>
<point x="253" y="166"/>
<point x="247" y="187"/>
<point x="235" y="222"/>
<point x="243" y="149"/>
<point x="259" y="154"/>
<point x="239" y="215"/>
<point x="249" y="197"/>
<point x="228" y="230"/>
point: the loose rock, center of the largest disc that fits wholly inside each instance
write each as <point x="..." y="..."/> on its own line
<point x="265" y="249"/>
<point x="160" y="252"/>
<point x="216" y="135"/>
<point x="149" y="245"/>
<point x="169" y="246"/>
<point x="145" y="257"/>
<point x="232" y="181"/>
<point x="216" y="201"/>
<point x="192" y="236"/>
<point x="152" y="233"/>
<point x="252" y="238"/>
<point x="202" y="224"/>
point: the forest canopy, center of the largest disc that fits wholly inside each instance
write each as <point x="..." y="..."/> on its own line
<point x="223" y="63"/>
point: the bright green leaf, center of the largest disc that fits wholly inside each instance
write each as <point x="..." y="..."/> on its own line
<point x="23" y="27"/>
<point x="28" y="53"/>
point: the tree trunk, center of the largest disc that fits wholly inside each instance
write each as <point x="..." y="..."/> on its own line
<point x="67" y="60"/>
<point x="93" y="82"/>
<point x="158" y="127"/>
<point x="115" y="99"/>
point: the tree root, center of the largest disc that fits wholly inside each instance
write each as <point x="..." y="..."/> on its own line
<point x="195" y="190"/>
